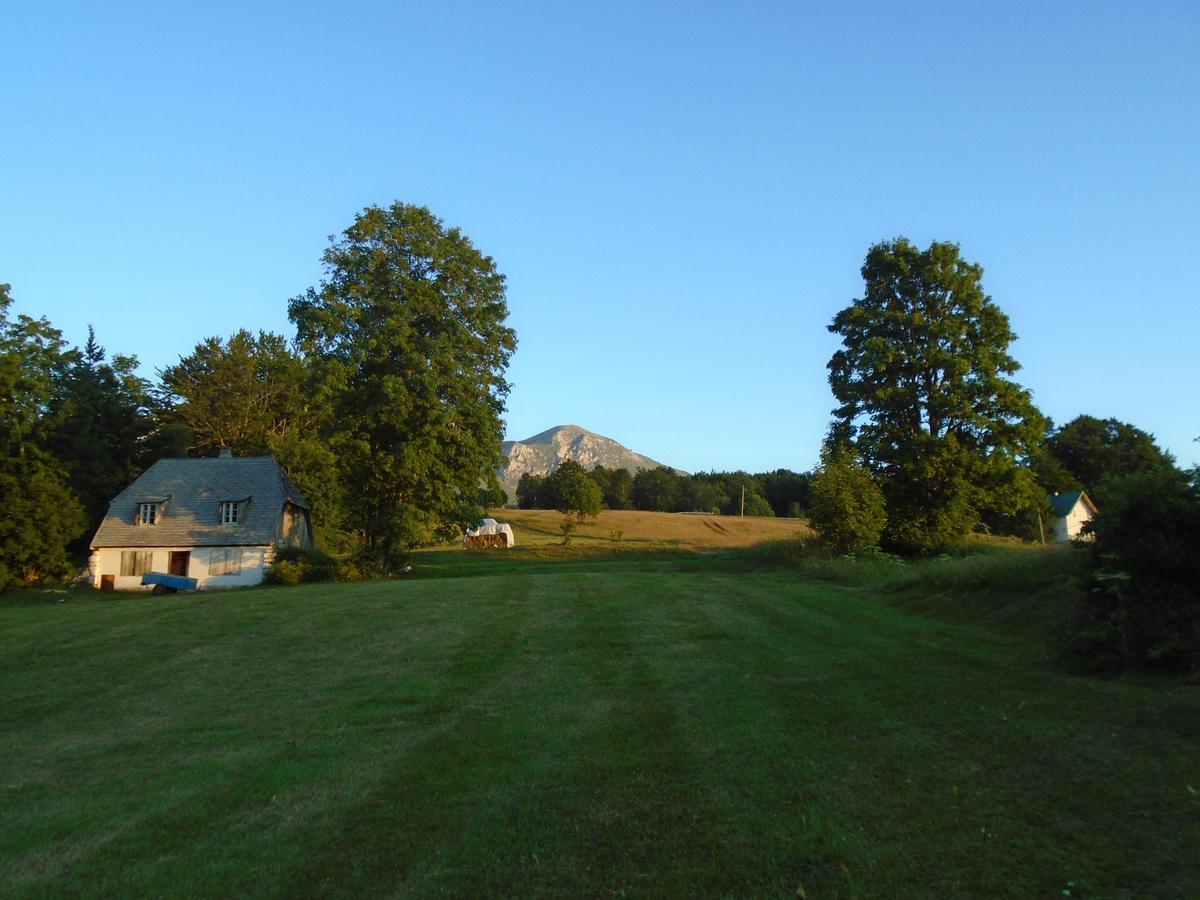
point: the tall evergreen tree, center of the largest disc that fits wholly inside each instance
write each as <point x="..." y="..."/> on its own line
<point x="41" y="514"/>
<point x="239" y="393"/>
<point x="99" y="422"/>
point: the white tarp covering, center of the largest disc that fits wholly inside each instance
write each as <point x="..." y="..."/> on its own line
<point x="491" y="526"/>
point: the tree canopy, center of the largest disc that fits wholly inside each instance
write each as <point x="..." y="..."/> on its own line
<point x="666" y="490"/>
<point x="657" y="490"/>
<point x="238" y="393"/>
<point x="577" y="495"/>
<point x="1092" y="449"/>
<point x="925" y="353"/>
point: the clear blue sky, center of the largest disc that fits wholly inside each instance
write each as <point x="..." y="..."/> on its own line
<point x="681" y="195"/>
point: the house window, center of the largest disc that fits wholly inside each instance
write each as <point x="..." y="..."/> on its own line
<point x="147" y="513"/>
<point x="225" y="561"/>
<point x="136" y="562"/>
<point x="230" y="511"/>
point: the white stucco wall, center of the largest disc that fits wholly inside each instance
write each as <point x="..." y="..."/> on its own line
<point x="107" y="561"/>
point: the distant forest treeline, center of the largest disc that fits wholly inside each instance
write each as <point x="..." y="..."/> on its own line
<point x="780" y="493"/>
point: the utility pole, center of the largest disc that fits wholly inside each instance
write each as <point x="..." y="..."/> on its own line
<point x="742" y="514"/>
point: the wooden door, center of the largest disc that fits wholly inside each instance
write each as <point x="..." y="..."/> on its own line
<point x="177" y="563"/>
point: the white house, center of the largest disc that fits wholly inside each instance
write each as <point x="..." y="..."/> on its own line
<point x="1072" y="511"/>
<point x="217" y="520"/>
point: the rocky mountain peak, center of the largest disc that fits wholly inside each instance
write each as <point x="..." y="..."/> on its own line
<point x="545" y="452"/>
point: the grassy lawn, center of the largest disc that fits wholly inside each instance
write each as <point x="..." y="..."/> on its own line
<point x="642" y="724"/>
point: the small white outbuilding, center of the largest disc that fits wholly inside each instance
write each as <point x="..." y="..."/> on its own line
<point x="1072" y="511"/>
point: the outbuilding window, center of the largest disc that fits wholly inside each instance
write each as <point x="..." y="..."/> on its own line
<point x="147" y="513"/>
<point x="231" y="510"/>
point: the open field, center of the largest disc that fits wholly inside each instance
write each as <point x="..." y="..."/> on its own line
<point x="649" y="724"/>
<point x="539" y="527"/>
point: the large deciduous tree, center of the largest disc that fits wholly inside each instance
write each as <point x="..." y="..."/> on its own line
<point x="923" y="394"/>
<point x="616" y="486"/>
<point x="530" y="490"/>
<point x="408" y="328"/>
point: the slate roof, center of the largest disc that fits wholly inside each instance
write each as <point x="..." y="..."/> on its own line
<point x="1064" y="503"/>
<point x="189" y="493"/>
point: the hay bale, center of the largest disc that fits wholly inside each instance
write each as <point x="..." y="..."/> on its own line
<point x="486" y="542"/>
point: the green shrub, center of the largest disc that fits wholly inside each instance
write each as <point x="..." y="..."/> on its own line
<point x="361" y="567"/>
<point x="285" y="572"/>
<point x="350" y="571"/>
<point x="757" y="505"/>
<point x="1143" y="606"/>
<point x="294" y="565"/>
<point x="814" y="559"/>
<point x="847" y="509"/>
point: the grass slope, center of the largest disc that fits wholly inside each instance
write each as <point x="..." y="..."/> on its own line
<point x="650" y="724"/>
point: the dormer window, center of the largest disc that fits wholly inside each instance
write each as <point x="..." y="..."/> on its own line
<point x="231" y="511"/>
<point x="147" y="513"/>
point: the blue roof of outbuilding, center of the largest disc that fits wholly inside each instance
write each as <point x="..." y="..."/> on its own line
<point x="1064" y="503"/>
